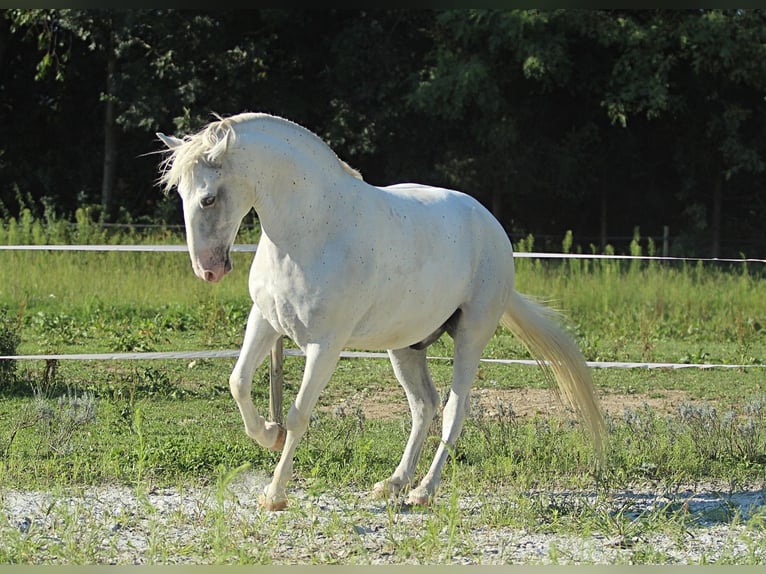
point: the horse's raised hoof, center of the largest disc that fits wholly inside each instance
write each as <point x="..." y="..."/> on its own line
<point x="381" y="489"/>
<point x="386" y="489"/>
<point x="270" y="504"/>
<point x="281" y="436"/>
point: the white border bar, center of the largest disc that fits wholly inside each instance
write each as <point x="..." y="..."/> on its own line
<point x="251" y="247"/>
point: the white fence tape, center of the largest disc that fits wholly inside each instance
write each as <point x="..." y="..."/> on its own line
<point x="134" y="248"/>
<point x="251" y="247"/>
<point x="635" y="257"/>
<point x="187" y="355"/>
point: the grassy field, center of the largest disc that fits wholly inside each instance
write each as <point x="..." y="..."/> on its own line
<point x="173" y="422"/>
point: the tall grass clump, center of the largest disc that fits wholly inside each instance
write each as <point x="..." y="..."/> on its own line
<point x="52" y="230"/>
<point x="10" y="337"/>
<point x="647" y="310"/>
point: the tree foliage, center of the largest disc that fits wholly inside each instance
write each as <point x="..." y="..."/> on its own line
<point x="598" y="121"/>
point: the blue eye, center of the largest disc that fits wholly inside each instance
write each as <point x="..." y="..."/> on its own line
<point x="207" y="201"/>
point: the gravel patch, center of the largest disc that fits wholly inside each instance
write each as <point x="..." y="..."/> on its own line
<point x="223" y="524"/>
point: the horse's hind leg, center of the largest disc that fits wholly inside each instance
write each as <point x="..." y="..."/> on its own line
<point x="412" y="373"/>
<point x="259" y="338"/>
<point x="469" y="344"/>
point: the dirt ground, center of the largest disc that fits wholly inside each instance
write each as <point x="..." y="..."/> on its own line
<point x="391" y="403"/>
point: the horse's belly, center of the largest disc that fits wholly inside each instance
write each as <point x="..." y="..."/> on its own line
<point x="383" y="326"/>
<point x="397" y="326"/>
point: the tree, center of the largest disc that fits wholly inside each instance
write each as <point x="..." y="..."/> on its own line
<point x="507" y="82"/>
<point x="150" y="62"/>
<point x="595" y="121"/>
<point x="703" y="71"/>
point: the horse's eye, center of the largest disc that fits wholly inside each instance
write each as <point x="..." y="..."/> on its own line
<point x="207" y="201"/>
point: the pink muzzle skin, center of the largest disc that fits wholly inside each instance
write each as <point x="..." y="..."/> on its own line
<point x="212" y="272"/>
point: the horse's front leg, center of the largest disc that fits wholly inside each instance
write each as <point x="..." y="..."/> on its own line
<point x="259" y="338"/>
<point x="320" y="363"/>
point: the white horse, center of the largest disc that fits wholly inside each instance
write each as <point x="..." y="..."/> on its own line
<point x="344" y="264"/>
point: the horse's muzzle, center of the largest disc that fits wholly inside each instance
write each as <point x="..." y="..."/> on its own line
<point x="213" y="271"/>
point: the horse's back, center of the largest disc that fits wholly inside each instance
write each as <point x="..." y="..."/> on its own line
<point x="449" y="214"/>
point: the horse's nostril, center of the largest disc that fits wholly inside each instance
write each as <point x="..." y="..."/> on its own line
<point x="210" y="276"/>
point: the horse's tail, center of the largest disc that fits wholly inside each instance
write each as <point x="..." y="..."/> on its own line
<point x="538" y="327"/>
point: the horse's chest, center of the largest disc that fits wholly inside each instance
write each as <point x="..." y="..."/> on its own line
<point x="298" y="302"/>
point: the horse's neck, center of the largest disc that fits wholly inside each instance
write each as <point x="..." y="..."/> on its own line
<point x="296" y="220"/>
<point x="298" y="193"/>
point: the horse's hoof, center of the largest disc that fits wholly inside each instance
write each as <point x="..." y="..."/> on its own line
<point x="270" y="504"/>
<point x="418" y="497"/>
<point x="281" y="436"/>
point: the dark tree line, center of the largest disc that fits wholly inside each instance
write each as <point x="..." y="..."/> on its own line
<point x="596" y="121"/>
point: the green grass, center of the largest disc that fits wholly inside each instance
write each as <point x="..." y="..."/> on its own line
<point x="174" y="422"/>
<point x="67" y="302"/>
<point x="138" y="434"/>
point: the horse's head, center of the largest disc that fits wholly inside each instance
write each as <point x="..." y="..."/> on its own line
<point x="213" y="203"/>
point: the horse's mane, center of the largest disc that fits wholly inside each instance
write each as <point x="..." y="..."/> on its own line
<point x="210" y="144"/>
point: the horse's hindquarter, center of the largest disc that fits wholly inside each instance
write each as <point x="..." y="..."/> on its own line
<point x="401" y="261"/>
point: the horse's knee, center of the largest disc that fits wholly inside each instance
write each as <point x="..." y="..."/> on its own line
<point x="239" y="387"/>
<point x="296" y="420"/>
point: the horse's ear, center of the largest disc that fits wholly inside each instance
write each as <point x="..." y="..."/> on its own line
<point x="171" y="141"/>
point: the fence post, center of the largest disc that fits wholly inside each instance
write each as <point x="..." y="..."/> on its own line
<point x="276" y="382"/>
